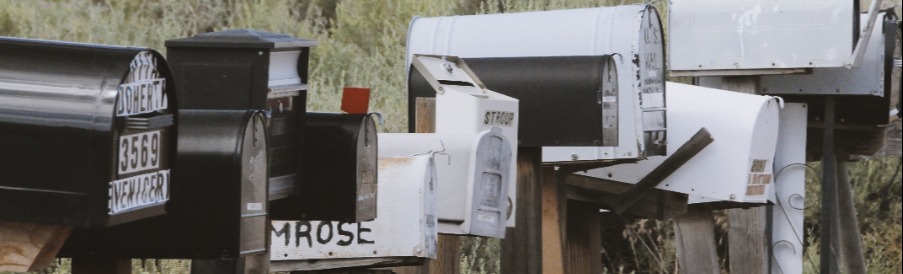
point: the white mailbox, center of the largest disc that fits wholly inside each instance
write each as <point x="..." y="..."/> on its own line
<point x="632" y="34"/>
<point x="473" y="171"/>
<point x="737" y="166"/>
<point x="404" y="231"/>
<point x="761" y="34"/>
<point x="465" y="106"/>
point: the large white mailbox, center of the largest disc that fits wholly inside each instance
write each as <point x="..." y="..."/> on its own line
<point x="632" y="34"/>
<point x="761" y="34"/>
<point x="473" y="171"/>
<point x="405" y="228"/>
<point x="737" y="166"/>
<point x="465" y="106"/>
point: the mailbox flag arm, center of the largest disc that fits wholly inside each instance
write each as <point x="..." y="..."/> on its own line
<point x="687" y="151"/>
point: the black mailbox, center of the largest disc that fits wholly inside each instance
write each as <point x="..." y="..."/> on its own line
<point x="219" y="205"/>
<point x="564" y="101"/>
<point x="339" y="178"/>
<point x="250" y="69"/>
<point x="86" y="135"/>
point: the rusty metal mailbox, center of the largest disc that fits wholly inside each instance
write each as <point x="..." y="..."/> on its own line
<point x="219" y="209"/>
<point x="86" y="135"/>
<point x="338" y="181"/>
<point x="250" y="69"/>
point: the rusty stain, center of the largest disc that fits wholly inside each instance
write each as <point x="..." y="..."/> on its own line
<point x="394" y="161"/>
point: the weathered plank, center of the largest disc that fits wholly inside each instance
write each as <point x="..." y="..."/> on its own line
<point x="695" y="242"/>
<point x="584" y="239"/>
<point x="522" y="247"/>
<point x="30" y="247"/>
<point x="101" y="265"/>
<point x="553" y="220"/>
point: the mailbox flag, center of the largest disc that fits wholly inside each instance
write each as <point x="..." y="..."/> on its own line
<point x="355" y="100"/>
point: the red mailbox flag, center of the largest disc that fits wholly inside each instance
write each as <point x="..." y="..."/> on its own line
<point x="355" y="100"/>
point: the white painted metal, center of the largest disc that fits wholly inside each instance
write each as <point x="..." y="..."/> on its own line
<point x="473" y="170"/>
<point x="866" y="79"/>
<point x="790" y="189"/>
<point x="406" y="226"/>
<point x="760" y="34"/>
<point x="472" y="110"/>
<point x="737" y="166"/>
<point x="623" y="31"/>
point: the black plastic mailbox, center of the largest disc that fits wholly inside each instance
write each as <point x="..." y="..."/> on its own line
<point x="340" y="171"/>
<point x="562" y="99"/>
<point x="86" y="133"/>
<point x="218" y="209"/>
<point x="249" y="69"/>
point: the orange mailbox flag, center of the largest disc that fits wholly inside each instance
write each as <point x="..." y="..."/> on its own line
<point x="355" y="100"/>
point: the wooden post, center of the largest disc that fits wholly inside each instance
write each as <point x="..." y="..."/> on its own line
<point x="554" y="219"/>
<point x="584" y="239"/>
<point x="30" y="247"/>
<point x="749" y="237"/>
<point x="850" y="249"/>
<point x="694" y="234"/>
<point x="522" y="246"/>
<point x="246" y="264"/>
<point x="448" y="247"/>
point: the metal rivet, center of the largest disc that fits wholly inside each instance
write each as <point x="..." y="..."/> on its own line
<point x="574" y="157"/>
<point x="733" y="196"/>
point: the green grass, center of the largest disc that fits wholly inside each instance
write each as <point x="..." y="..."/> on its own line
<point x="361" y="43"/>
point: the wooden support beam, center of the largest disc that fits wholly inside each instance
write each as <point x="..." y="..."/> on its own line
<point x="684" y="153"/>
<point x="694" y="234"/>
<point x="101" y="265"/>
<point x="848" y="234"/>
<point x="584" y="239"/>
<point x="522" y="247"/>
<point x="658" y="204"/>
<point x="30" y="247"/>
<point x="554" y="223"/>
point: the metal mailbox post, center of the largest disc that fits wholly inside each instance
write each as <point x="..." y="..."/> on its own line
<point x="631" y="34"/>
<point x="340" y="168"/>
<point x="219" y="212"/>
<point x="250" y="69"/>
<point x="404" y="233"/>
<point x="86" y="133"/>
<point x="736" y="167"/>
<point x="472" y="170"/>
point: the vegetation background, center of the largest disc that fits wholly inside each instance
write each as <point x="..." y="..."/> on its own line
<point x="362" y="43"/>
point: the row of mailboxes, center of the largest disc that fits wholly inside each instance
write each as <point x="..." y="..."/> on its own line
<point x="738" y="166"/>
<point x="630" y="35"/>
<point x="86" y="133"/>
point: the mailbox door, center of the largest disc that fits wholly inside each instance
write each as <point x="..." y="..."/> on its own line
<point x="339" y="175"/>
<point x="219" y="211"/>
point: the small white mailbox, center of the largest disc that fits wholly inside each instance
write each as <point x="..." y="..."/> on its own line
<point x="632" y="33"/>
<point x="405" y="227"/>
<point x="761" y="34"/>
<point x="465" y="106"/>
<point x="473" y="171"/>
<point x="737" y="166"/>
